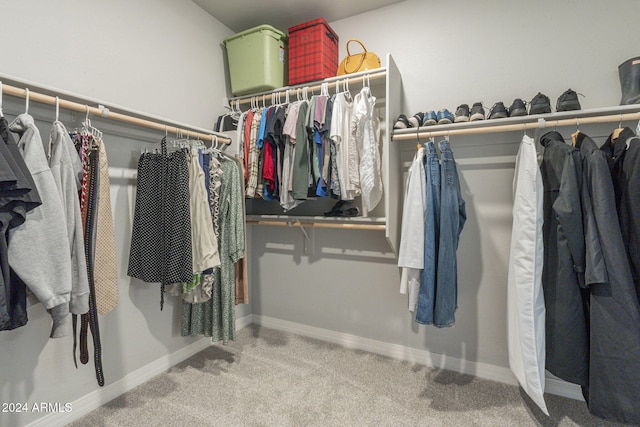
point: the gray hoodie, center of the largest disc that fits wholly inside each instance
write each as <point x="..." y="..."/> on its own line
<point x="39" y="248"/>
<point x="66" y="168"/>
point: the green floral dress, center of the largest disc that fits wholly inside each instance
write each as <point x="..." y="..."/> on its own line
<point x="216" y="317"/>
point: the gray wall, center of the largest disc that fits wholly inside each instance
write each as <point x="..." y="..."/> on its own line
<point x="450" y="53"/>
<point x="158" y="56"/>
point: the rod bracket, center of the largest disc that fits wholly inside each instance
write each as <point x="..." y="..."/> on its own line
<point x="105" y="110"/>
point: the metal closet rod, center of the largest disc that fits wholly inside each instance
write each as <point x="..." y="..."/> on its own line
<point x="319" y="225"/>
<point x="538" y="124"/>
<point x="332" y="82"/>
<point x="105" y="113"/>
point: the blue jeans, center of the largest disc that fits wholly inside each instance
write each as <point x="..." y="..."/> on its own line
<point x="452" y="218"/>
<point x="427" y="293"/>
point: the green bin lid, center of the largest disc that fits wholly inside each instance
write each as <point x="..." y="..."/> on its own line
<point x="268" y="29"/>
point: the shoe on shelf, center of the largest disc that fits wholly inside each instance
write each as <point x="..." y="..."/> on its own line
<point x="462" y="113"/>
<point x="568" y="101"/>
<point x="416" y="120"/>
<point x="430" y="118"/>
<point x="477" y="112"/>
<point x="401" y="122"/>
<point x="444" y="117"/>
<point x="498" y="111"/>
<point x="539" y="104"/>
<point x="518" y="108"/>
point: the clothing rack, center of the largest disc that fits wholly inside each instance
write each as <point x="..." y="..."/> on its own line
<point x="347" y="79"/>
<point x="577" y="118"/>
<point x="104" y="112"/>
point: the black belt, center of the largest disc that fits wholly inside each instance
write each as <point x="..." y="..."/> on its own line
<point x="90" y="320"/>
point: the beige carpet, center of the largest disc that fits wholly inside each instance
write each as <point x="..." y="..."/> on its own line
<point x="271" y="378"/>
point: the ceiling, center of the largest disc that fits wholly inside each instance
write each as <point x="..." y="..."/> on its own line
<point x="240" y="15"/>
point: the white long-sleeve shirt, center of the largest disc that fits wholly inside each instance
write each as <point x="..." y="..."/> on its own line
<point x="411" y="253"/>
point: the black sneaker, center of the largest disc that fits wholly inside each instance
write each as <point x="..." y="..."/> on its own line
<point x="540" y="104"/>
<point x="477" y="112"/>
<point x="518" y="108"/>
<point x="568" y="101"/>
<point x="416" y="120"/>
<point x="498" y="111"/>
<point x="462" y="114"/>
<point x="401" y="122"/>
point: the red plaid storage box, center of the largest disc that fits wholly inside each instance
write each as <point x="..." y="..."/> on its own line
<point x="313" y="52"/>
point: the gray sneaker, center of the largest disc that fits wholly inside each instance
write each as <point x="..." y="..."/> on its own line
<point x="498" y="111"/>
<point x="540" y="104"/>
<point x="462" y="114"/>
<point x="568" y="101"/>
<point x="518" y="108"/>
<point x="477" y="112"/>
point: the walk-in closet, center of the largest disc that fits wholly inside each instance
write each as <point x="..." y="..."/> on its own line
<point x="211" y="278"/>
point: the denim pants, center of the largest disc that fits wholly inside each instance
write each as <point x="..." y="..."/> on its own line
<point x="452" y="218"/>
<point x="427" y="293"/>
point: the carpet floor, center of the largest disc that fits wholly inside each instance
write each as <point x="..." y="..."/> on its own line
<point x="273" y="378"/>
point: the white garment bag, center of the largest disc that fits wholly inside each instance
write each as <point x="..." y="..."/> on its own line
<point x="525" y="300"/>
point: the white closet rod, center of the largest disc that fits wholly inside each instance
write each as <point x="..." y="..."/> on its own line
<point x="538" y="124"/>
<point x="103" y="112"/>
<point x="332" y="81"/>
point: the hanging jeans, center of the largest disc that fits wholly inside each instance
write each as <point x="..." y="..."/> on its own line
<point x="452" y="218"/>
<point x="426" y="295"/>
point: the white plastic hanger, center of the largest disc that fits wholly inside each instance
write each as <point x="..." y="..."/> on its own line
<point x="1" y="112"/>
<point x="57" y="108"/>
<point x="26" y="104"/>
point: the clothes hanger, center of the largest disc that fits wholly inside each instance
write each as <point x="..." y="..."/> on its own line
<point x="616" y="133"/>
<point x="574" y="136"/>
<point x="26" y="103"/>
<point x="1" y="112"/>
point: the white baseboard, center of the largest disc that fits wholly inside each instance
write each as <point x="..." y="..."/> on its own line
<point x="95" y="399"/>
<point x="413" y="355"/>
<point x="243" y="322"/>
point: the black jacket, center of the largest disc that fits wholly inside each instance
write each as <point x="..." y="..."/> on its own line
<point x="624" y="161"/>
<point x="614" y="361"/>
<point x="563" y="274"/>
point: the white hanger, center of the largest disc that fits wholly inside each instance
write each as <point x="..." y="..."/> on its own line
<point x="1" y="112"/>
<point x="26" y="105"/>
<point x="57" y="108"/>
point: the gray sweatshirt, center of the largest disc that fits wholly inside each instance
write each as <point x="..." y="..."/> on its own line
<point x="39" y="248"/>
<point x="66" y="168"/>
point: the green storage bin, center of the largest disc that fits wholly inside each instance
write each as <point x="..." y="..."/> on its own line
<point x="256" y="60"/>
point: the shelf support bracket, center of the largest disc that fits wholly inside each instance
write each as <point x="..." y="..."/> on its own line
<point x="308" y="240"/>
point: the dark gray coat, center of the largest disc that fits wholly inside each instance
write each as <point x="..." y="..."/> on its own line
<point x="614" y="379"/>
<point x="563" y="274"/>
<point x="624" y="161"/>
